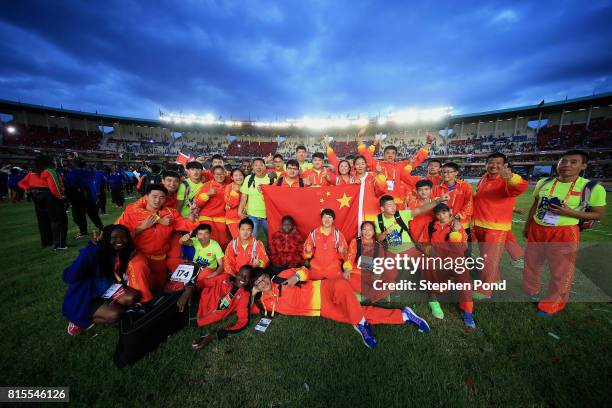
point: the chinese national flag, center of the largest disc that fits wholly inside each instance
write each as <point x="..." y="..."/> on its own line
<point x="305" y="206"/>
<point x="182" y="158"/>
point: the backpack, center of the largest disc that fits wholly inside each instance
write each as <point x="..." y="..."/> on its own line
<point x="251" y="180"/>
<point x="585" y="196"/>
<point x="280" y="181"/>
<point x="399" y="221"/>
<point x="142" y="333"/>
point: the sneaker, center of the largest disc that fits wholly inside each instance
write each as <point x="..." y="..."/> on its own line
<point x="542" y="313"/>
<point x="436" y="310"/>
<point x="58" y="249"/>
<point x="534" y="298"/>
<point x="480" y="296"/>
<point x="518" y="263"/>
<point x="468" y="320"/>
<point x="365" y="330"/>
<point x="415" y="320"/>
<point x="73" y="329"/>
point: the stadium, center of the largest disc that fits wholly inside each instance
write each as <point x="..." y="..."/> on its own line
<point x="533" y="136"/>
<point x="424" y="256"/>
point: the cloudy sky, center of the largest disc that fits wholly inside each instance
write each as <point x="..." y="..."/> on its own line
<point x="264" y="60"/>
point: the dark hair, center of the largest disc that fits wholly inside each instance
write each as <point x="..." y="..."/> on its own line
<point x="216" y="157"/>
<point x="384" y="199"/>
<point x="41" y="162"/>
<point x="576" y="152"/>
<point x="359" y="156"/>
<point x="350" y="157"/>
<point x="256" y="274"/>
<point x="423" y="183"/>
<point x="169" y="173"/>
<point x="246" y="221"/>
<point x="440" y="207"/>
<point x="277" y="156"/>
<point x="105" y="255"/>
<point x="194" y="165"/>
<point x="497" y="155"/>
<point x="293" y="163"/>
<point x="201" y="227"/>
<point x="452" y="165"/>
<point x="435" y="161"/>
<point x="217" y="168"/>
<point x="300" y="147"/>
<point x="258" y="159"/>
<point x="370" y="223"/>
<point x="228" y="167"/>
<point x="390" y="147"/>
<point x="156" y="187"/>
<point x="328" y="211"/>
<point x="349" y="166"/>
<point x="287" y="218"/>
<point x="318" y="155"/>
<point x="238" y="169"/>
<point x="156" y="168"/>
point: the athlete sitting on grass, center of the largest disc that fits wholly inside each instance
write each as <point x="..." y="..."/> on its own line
<point x="291" y="293"/>
<point x="100" y="266"/>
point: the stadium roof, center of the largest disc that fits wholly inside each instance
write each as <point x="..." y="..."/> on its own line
<point x="546" y="107"/>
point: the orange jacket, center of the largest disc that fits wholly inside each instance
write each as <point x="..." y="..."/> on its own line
<point x="43" y="179"/>
<point x="212" y="208"/>
<point x="494" y="200"/>
<point x="445" y="242"/>
<point x="325" y="252"/>
<point x="236" y="256"/>
<point x="303" y="299"/>
<point x="461" y="200"/>
<point x="418" y="225"/>
<point x="156" y="240"/>
<point x="317" y="178"/>
<point x="232" y="200"/>
<point x="333" y="160"/>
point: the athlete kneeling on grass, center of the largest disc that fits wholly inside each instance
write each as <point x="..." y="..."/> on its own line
<point x="221" y="296"/>
<point x="291" y="293"/>
<point x="98" y="291"/>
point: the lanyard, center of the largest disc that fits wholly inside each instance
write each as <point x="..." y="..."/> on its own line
<point x="571" y="189"/>
<point x="387" y="174"/>
<point x="275" y="298"/>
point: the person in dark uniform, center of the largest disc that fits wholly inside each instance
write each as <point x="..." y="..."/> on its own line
<point x="83" y="196"/>
<point x="47" y="190"/>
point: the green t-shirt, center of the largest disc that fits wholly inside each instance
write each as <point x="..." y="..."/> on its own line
<point x="255" y="205"/>
<point x="207" y="256"/>
<point x="398" y="240"/>
<point x="180" y="194"/>
<point x="542" y="193"/>
<point x="305" y="166"/>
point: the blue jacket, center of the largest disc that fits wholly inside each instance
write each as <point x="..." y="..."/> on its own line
<point x="101" y="180"/>
<point x="85" y="283"/>
<point x="116" y="180"/>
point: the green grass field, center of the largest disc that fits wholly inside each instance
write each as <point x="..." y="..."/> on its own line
<point x="510" y="359"/>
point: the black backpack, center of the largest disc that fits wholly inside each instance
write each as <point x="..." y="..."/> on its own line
<point x="142" y="333"/>
<point x="251" y="180"/>
<point x="399" y="221"/>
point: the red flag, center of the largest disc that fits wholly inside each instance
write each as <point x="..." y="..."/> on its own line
<point x="182" y="158"/>
<point x="305" y="206"/>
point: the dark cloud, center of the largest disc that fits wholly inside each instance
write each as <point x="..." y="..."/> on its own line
<point x="263" y="59"/>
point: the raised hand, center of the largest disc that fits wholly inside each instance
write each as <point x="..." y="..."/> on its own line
<point x="148" y="222"/>
<point x="444" y="197"/>
<point x="506" y="172"/>
<point x="184" y="239"/>
<point x="379" y="169"/>
<point x="456" y="226"/>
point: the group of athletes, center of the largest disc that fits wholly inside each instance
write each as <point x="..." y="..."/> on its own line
<point x="212" y="219"/>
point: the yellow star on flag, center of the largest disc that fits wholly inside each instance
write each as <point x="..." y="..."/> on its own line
<point x="344" y="200"/>
<point x="327" y="193"/>
<point x="321" y="200"/>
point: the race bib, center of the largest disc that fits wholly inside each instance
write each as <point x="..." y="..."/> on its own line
<point x="390" y="185"/>
<point x="550" y="218"/>
<point x="111" y="290"/>
<point x="544" y="214"/>
<point x="183" y="273"/>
